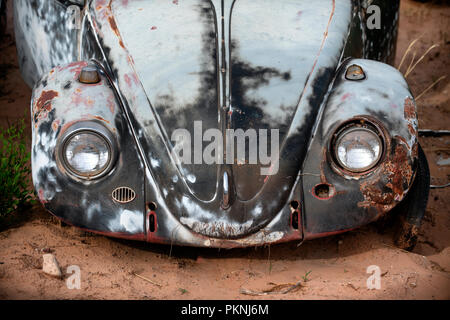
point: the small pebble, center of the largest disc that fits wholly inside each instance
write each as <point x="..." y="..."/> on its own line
<point x="51" y="266"/>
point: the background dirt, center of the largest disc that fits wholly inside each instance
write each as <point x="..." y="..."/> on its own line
<point x="337" y="265"/>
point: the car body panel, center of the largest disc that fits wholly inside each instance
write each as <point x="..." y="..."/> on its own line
<point x="86" y="204"/>
<point x="166" y="65"/>
<point x="44" y="38"/>
<point x="247" y="213"/>
<point x="384" y="98"/>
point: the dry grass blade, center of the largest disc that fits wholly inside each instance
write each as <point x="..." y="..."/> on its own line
<point x="146" y="279"/>
<point x="431" y="86"/>
<point x="252" y="293"/>
<point x="418" y="61"/>
<point x="276" y="289"/>
<point x="407" y="51"/>
<point x="411" y="63"/>
<point x="433" y="186"/>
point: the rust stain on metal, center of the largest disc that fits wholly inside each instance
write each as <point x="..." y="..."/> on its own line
<point x="101" y="119"/>
<point x="406" y="235"/>
<point x="402" y="172"/>
<point x="412" y="130"/>
<point x="41" y="196"/>
<point x="111" y="104"/>
<point x="323" y="179"/>
<point x="43" y="105"/>
<point x="113" y="25"/>
<point x="415" y="150"/>
<point x="44" y="99"/>
<point x="410" y="109"/>
<point x="403" y="140"/>
<point x="79" y="98"/>
<point x="55" y="125"/>
<point x="390" y="183"/>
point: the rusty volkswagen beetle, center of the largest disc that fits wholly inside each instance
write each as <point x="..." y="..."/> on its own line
<point x="114" y="81"/>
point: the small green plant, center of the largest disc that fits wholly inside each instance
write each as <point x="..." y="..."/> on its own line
<point x="305" y="277"/>
<point x="183" y="291"/>
<point x="14" y="169"/>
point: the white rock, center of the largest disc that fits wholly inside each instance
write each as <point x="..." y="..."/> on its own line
<point x="51" y="265"/>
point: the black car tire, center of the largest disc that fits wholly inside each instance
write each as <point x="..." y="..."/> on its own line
<point x="412" y="209"/>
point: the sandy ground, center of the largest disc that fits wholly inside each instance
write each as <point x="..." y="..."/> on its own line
<point x="336" y="265"/>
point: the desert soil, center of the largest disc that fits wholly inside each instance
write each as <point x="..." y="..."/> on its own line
<point x="115" y="269"/>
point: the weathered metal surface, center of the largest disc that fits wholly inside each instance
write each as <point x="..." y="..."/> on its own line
<point x="231" y="65"/>
<point x="59" y="101"/>
<point x="302" y="76"/>
<point x="44" y="37"/>
<point x="385" y="100"/>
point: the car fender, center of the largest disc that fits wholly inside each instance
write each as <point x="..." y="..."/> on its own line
<point x="384" y="99"/>
<point x="59" y="103"/>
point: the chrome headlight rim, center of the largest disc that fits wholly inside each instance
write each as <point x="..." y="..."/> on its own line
<point x="358" y="123"/>
<point x="87" y="127"/>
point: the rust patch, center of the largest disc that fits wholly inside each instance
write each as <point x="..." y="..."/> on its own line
<point x="79" y="98"/>
<point x="113" y="25"/>
<point x="410" y="109"/>
<point x="44" y="99"/>
<point x="323" y="179"/>
<point x="73" y="67"/>
<point x="374" y="195"/>
<point x="390" y="183"/>
<point x="403" y="140"/>
<point x="41" y="196"/>
<point x="55" y="125"/>
<point x="412" y="130"/>
<point x="406" y="235"/>
<point x="101" y="119"/>
<point x="111" y="104"/>
<point x="415" y="150"/>
<point x="131" y="80"/>
<point x="402" y="172"/>
<point x="43" y="105"/>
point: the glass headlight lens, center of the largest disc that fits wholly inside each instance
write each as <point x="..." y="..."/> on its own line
<point x="87" y="153"/>
<point x="358" y="149"/>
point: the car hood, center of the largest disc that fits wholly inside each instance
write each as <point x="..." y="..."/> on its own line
<point x="271" y="71"/>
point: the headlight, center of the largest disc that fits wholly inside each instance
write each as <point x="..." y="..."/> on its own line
<point x="358" y="148"/>
<point x="87" y="153"/>
<point x="87" y="150"/>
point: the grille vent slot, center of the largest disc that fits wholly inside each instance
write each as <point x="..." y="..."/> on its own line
<point x="123" y="194"/>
